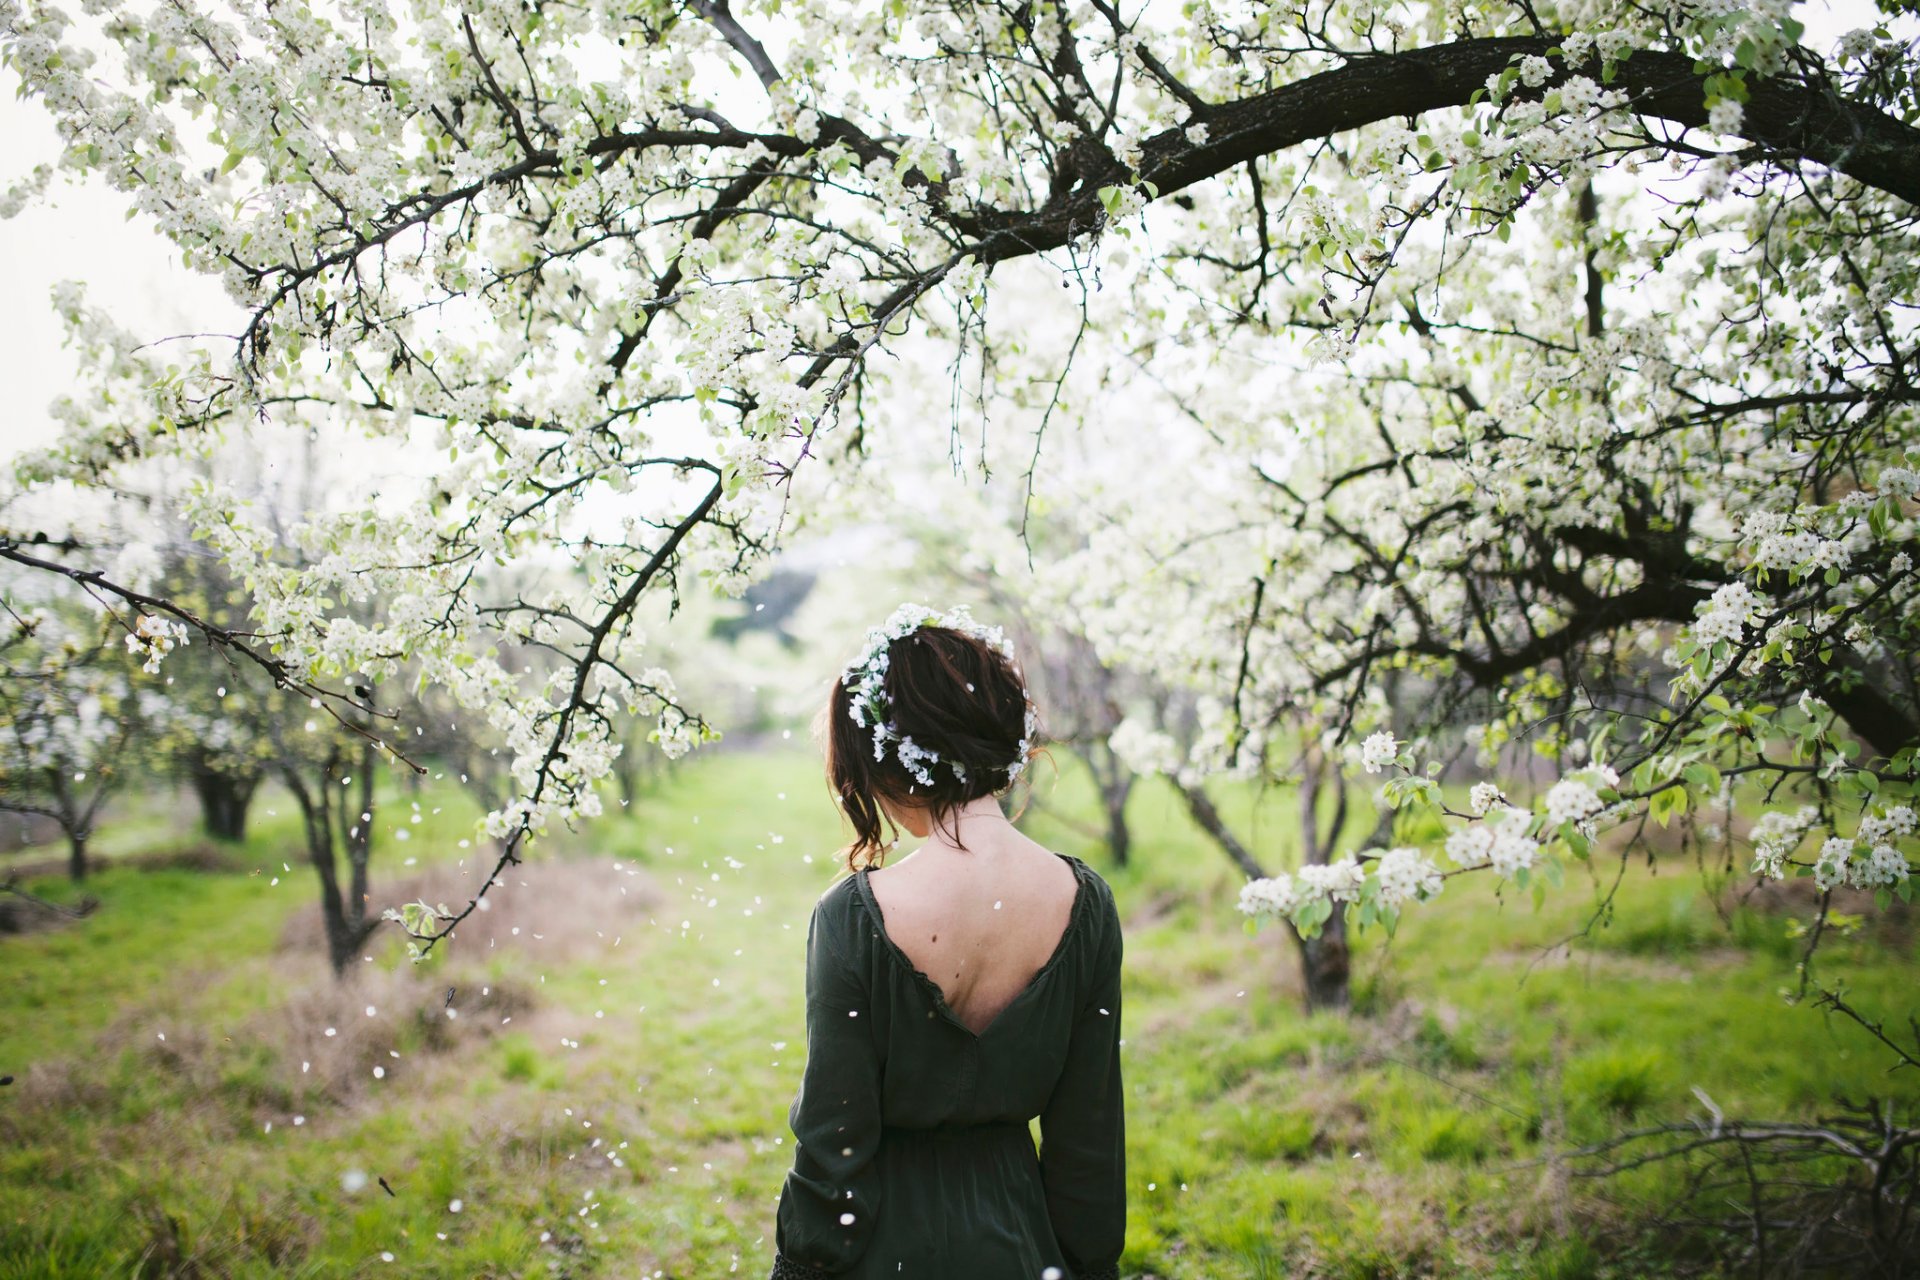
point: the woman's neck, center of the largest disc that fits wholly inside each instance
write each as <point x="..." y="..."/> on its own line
<point x="977" y="819"/>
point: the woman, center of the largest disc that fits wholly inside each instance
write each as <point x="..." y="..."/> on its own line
<point x="952" y="997"/>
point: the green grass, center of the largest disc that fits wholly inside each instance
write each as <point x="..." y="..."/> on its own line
<point x="611" y="1098"/>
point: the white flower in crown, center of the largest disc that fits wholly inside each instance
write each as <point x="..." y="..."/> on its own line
<point x="865" y="679"/>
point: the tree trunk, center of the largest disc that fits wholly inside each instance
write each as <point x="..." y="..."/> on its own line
<point x="1200" y="805"/>
<point x="1325" y="969"/>
<point x="1119" y="838"/>
<point x="1324" y="959"/>
<point x="224" y="800"/>
<point x="346" y="931"/>
<point x="626" y="774"/>
<point x="74" y="819"/>
<point x="360" y="845"/>
<point x="345" y="941"/>
<point x="1116" y="784"/>
<point x="1324" y="966"/>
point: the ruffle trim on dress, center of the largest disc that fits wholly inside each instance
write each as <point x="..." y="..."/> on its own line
<point x="785" y="1268"/>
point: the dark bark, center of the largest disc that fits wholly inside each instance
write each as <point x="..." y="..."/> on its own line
<point x="1119" y="838"/>
<point x="1864" y="699"/>
<point x="1115" y="782"/>
<point x="1674" y="581"/>
<point x="224" y="800"/>
<point x="1326" y="966"/>
<point x="1791" y="118"/>
<point x="626" y="775"/>
<point x="1201" y="806"/>
<point x="343" y="916"/>
<point x="360" y="840"/>
<point x="77" y="855"/>
<point x="1325" y="960"/>
<point x="75" y="819"/>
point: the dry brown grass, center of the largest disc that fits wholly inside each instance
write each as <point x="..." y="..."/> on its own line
<point x="313" y="1049"/>
<point x="547" y="911"/>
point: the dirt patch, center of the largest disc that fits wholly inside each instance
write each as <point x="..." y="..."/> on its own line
<point x="326" y="1045"/>
<point x="547" y="910"/>
<point x="23" y="912"/>
<point x="194" y="856"/>
<point x="330" y="1048"/>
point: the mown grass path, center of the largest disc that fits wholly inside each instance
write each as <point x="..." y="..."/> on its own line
<point x="609" y="1095"/>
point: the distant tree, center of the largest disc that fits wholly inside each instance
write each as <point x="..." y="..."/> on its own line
<point x="331" y="776"/>
<point x="67" y="715"/>
<point x="218" y="730"/>
<point x="1084" y="698"/>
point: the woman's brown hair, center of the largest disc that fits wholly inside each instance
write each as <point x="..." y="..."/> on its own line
<point x="952" y="694"/>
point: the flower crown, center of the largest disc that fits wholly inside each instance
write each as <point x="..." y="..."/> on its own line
<point x="865" y="679"/>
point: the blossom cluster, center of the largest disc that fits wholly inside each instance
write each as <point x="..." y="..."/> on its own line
<point x="1503" y="840"/>
<point x="153" y="638"/>
<point x="1399" y="875"/>
<point x="1841" y="862"/>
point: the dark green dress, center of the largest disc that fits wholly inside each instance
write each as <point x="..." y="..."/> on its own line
<point x="914" y="1158"/>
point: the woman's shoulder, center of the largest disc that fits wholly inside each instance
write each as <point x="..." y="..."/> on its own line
<point x="1096" y="883"/>
<point x="841" y="908"/>
<point x="840" y="899"/>
<point x="1100" y="914"/>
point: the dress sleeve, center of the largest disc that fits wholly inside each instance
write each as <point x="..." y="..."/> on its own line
<point x="1083" y="1149"/>
<point x="828" y="1203"/>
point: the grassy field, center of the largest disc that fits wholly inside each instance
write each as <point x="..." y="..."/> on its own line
<point x="593" y="1080"/>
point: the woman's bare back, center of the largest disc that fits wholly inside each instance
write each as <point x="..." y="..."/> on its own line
<point x="980" y="923"/>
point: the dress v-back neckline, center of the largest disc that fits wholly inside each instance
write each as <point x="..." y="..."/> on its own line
<point x="935" y="991"/>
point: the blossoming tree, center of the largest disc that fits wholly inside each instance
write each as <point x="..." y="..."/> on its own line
<point x="624" y="268"/>
<point x="66" y="715"/>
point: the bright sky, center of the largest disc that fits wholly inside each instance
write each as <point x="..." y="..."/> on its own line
<point x="79" y="232"/>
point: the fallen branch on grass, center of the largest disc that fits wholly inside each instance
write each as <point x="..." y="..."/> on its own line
<point x="81" y="909"/>
<point x="1837" y="1196"/>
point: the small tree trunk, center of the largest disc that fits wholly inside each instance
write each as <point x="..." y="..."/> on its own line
<point x="1119" y="838"/>
<point x="346" y="932"/>
<point x="345" y="940"/>
<point x="1115" y="781"/>
<point x="1201" y="806"/>
<point x="74" y="818"/>
<point x="1325" y="967"/>
<point x="360" y="848"/>
<point x="224" y="800"/>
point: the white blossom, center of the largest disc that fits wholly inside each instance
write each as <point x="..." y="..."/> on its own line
<point x="1404" y="874"/>
<point x="1378" y="750"/>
